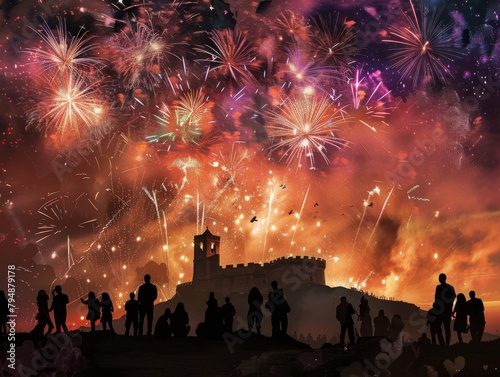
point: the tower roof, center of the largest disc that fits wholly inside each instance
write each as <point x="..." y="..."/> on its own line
<point x="207" y="234"/>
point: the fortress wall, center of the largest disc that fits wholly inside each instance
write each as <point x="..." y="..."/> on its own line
<point x="241" y="269"/>
<point x="291" y="270"/>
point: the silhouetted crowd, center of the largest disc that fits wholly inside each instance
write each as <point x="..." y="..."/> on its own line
<point x="380" y="326"/>
<point x="219" y="320"/>
<point x="139" y="312"/>
<point x="468" y="315"/>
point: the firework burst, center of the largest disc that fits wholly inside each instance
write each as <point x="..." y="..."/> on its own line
<point x="234" y="162"/>
<point x="292" y="26"/>
<point x="63" y="54"/>
<point x="190" y="109"/>
<point x="231" y="55"/>
<point x="333" y="43"/>
<point x="305" y="126"/>
<point x="68" y="107"/>
<point x="139" y="57"/>
<point x="186" y="121"/>
<point x="423" y="47"/>
<point x="304" y="71"/>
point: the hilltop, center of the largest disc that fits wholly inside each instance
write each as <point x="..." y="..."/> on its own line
<point x="313" y="310"/>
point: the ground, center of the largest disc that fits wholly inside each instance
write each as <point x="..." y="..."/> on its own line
<point x="104" y="354"/>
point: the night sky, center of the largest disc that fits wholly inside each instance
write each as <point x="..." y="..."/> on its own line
<point x="362" y="132"/>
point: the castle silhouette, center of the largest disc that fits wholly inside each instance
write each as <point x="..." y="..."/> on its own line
<point x="209" y="275"/>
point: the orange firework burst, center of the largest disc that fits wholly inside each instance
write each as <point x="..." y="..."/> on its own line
<point x="231" y="55"/>
<point x="68" y="107"/>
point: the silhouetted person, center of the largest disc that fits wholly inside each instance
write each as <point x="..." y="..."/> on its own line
<point x="179" y="321"/>
<point x="323" y="340"/>
<point x="228" y="313"/>
<point x="279" y="308"/>
<point x="309" y="339"/>
<point x="317" y="342"/>
<point x="444" y="297"/>
<point x="460" y="313"/>
<point x="475" y="309"/>
<point x="254" y="316"/>
<point x="146" y="296"/>
<point x="132" y="318"/>
<point x="344" y="314"/>
<point x="424" y="340"/>
<point x="435" y="320"/>
<point x="4" y="312"/>
<point x="381" y="323"/>
<point x="213" y="317"/>
<point x="424" y="345"/>
<point x="59" y="302"/>
<point x="94" y="309"/>
<point x="43" y="317"/>
<point x="366" y="328"/>
<point x="107" y="312"/>
<point x="396" y="328"/>
<point x="162" y="328"/>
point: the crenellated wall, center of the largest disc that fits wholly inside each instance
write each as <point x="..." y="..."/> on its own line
<point x="287" y="271"/>
<point x="208" y="275"/>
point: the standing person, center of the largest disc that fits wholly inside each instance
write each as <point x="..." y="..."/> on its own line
<point x="107" y="312"/>
<point x="94" y="306"/>
<point x="43" y="317"/>
<point x="344" y="314"/>
<point x="475" y="309"/>
<point x="4" y="312"/>
<point x="279" y="308"/>
<point x="435" y="320"/>
<point x="254" y="316"/>
<point x="132" y="318"/>
<point x="179" y="321"/>
<point x="59" y="302"/>
<point x="146" y="297"/>
<point x="228" y="312"/>
<point x="396" y="329"/>
<point x="366" y="328"/>
<point x="444" y="297"/>
<point x="460" y="313"/>
<point x="213" y="317"/>
<point x="381" y="323"/>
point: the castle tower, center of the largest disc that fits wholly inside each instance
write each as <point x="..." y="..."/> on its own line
<point x="206" y="259"/>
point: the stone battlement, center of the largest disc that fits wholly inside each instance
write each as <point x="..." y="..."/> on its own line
<point x="209" y="274"/>
<point x="278" y="261"/>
